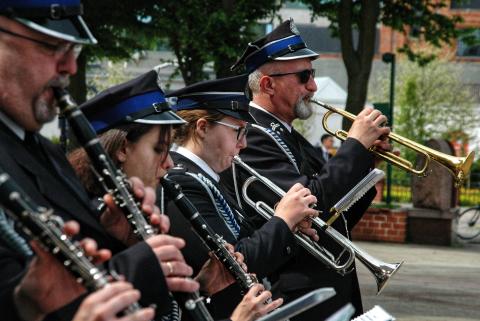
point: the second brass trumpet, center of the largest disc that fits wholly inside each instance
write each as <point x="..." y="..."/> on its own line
<point x="459" y="167"/>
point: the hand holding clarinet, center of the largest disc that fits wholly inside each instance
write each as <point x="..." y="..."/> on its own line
<point x="63" y="269"/>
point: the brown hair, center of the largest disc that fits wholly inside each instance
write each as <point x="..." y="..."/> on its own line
<point x="187" y="131"/>
<point x="112" y="140"/>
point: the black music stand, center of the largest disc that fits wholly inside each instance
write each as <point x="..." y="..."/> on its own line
<point x="299" y="305"/>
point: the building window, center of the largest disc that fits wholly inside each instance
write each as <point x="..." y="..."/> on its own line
<point x="465" y="4"/>
<point x="465" y="50"/>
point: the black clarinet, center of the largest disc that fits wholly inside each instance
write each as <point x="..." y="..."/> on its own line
<point x="212" y="240"/>
<point x="113" y="180"/>
<point x="41" y="224"/>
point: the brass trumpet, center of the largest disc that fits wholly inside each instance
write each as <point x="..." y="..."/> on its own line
<point x="381" y="271"/>
<point x="459" y="167"/>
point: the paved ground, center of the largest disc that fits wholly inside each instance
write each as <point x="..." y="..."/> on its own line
<point x="434" y="283"/>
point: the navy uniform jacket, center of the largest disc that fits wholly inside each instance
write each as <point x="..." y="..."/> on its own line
<point x="55" y="185"/>
<point x="265" y="250"/>
<point x="328" y="182"/>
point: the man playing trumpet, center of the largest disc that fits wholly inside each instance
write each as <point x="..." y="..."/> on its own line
<point x="281" y="81"/>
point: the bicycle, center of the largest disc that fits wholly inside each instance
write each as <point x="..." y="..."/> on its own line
<point x="468" y="223"/>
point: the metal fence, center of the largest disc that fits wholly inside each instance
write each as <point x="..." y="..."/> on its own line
<point x="470" y="193"/>
<point x="401" y="192"/>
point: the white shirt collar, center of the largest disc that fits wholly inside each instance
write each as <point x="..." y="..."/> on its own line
<point x="287" y="126"/>
<point x="14" y="127"/>
<point x="198" y="161"/>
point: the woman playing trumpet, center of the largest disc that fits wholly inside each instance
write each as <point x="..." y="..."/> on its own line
<point x="217" y="121"/>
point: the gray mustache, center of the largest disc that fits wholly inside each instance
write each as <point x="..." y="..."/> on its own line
<point x="61" y="81"/>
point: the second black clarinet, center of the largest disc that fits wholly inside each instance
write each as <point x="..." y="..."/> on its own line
<point x="113" y="179"/>
<point x="212" y="240"/>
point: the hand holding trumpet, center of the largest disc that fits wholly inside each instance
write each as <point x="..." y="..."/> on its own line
<point x="294" y="209"/>
<point x="368" y="130"/>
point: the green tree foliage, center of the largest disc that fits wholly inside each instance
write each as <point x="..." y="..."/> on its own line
<point x="197" y="31"/>
<point x="431" y="102"/>
<point x="120" y="30"/>
<point x="119" y="27"/>
<point x="422" y="19"/>
<point x="200" y="31"/>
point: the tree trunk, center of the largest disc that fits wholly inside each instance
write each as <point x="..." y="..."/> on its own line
<point x="192" y="70"/>
<point x="358" y="61"/>
<point x="190" y="62"/>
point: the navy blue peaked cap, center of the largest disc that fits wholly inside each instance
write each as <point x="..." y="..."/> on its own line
<point x="56" y="18"/>
<point x="283" y="43"/>
<point x="226" y="95"/>
<point x="139" y="100"/>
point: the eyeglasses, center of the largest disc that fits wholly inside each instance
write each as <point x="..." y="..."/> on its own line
<point x="241" y="130"/>
<point x="58" y="50"/>
<point x="303" y="75"/>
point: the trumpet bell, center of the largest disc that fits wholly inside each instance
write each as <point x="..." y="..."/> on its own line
<point x="383" y="274"/>
<point x="460" y="166"/>
<point x="381" y="271"/>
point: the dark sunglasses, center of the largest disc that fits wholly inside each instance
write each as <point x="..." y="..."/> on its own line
<point x="58" y="49"/>
<point x="303" y="75"/>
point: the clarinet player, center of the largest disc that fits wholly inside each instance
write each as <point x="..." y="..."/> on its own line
<point x="135" y="124"/>
<point x="38" y="51"/>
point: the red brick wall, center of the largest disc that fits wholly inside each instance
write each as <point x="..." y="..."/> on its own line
<point x="390" y="40"/>
<point x="381" y="225"/>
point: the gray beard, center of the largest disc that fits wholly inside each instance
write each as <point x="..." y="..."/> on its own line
<point x="43" y="113"/>
<point x="303" y="110"/>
